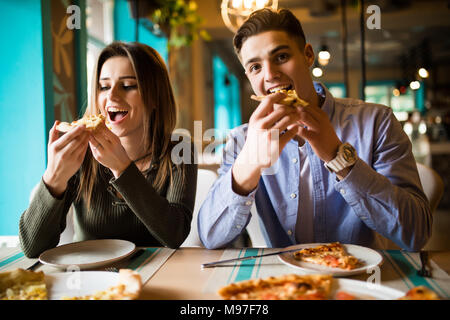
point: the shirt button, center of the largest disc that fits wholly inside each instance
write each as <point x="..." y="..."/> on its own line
<point x="238" y="226"/>
<point x="289" y="232"/>
<point x="294" y="160"/>
<point x="293" y="196"/>
<point x="248" y="203"/>
<point x="342" y="191"/>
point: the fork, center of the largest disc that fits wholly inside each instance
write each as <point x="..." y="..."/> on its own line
<point x="424" y="272"/>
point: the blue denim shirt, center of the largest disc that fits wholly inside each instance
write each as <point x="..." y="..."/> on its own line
<point x="382" y="193"/>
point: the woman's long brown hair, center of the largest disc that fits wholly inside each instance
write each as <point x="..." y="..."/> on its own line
<point x="159" y="114"/>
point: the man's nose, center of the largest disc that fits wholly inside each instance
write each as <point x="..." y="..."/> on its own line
<point x="271" y="72"/>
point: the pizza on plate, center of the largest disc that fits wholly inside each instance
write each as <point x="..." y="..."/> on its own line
<point x="22" y="284"/>
<point x="331" y="255"/>
<point x="285" y="287"/>
<point x="90" y="121"/>
<point x="292" y="99"/>
<point x="304" y="287"/>
<point x="420" y="293"/>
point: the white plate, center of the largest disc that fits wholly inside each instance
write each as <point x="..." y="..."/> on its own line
<point x="74" y="284"/>
<point x="87" y="254"/>
<point x="369" y="258"/>
<point x="365" y="290"/>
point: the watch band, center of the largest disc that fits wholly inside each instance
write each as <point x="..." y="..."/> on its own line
<point x="342" y="161"/>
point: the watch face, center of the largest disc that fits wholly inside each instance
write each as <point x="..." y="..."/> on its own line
<point x="348" y="153"/>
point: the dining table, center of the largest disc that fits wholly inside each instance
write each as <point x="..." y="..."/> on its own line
<point x="177" y="274"/>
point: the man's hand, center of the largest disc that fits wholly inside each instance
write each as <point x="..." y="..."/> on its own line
<point x="270" y="128"/>
<point x="317" y="129"/>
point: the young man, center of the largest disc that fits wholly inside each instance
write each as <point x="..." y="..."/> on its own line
<point x="334" y="170"/>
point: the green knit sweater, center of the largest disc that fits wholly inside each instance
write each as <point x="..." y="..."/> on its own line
<point x="144" y="216"/>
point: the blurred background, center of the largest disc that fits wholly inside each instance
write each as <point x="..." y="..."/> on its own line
<point x="393" y="52"/>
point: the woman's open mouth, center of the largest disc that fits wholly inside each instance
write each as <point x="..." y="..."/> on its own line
<point x="116" y="115"/>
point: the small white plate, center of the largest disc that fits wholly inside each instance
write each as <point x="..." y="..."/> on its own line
<point x="87" y="254"/>
<point x="75" y="284"/>
<point x="369" y="258"/>
<point x="364" y="290"/>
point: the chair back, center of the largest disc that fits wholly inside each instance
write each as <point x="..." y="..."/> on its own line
<point x="432" y="184"/>
<point x="205" y="180"/>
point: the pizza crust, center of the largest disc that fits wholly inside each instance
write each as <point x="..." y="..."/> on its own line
<point x="284" y="287"/>
<point x="420" y="293"/>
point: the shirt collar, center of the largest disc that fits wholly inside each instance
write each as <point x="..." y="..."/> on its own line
<point x="328" y="103"/>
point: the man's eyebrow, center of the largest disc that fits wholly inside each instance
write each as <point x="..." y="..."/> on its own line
<point x="271" y="52"/>
<point x="120" y="78"/>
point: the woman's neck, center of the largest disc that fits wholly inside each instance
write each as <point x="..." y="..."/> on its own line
<point x="136" y="153"/>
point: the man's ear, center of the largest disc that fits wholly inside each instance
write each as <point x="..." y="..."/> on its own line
<point x="309" y="54"/>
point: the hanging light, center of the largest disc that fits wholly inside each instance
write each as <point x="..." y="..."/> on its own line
<point x="234" y="12"/>
<point x="423" y="73"/>
<point x="317" y="72"/>
<point x="414" y="85"/>
<point x="324" y="55"/>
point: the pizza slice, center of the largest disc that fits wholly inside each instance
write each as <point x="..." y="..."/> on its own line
<point x="292" y="99"/>
<point x="420" y="293"/>
<point x="90" y="121"/>
<point x="285" y="287"/>
<point x="128" y="288"/>
<point x="20" y="284"/>
<point x="331" y="255"/>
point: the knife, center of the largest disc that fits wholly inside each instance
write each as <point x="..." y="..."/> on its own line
<point x="217" y="263"/>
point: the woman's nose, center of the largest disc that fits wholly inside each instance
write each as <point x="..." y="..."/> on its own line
<point x="113" y="93"/>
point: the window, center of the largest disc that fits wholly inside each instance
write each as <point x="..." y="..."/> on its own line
<point x="337" y="89"/>
<point x="401" y="104"/>
<point x="227" y="105"/>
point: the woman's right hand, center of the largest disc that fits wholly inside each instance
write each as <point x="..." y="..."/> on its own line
<point x="65" y="156"/>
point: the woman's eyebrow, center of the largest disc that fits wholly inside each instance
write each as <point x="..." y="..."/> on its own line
<point x="120" y="78"/>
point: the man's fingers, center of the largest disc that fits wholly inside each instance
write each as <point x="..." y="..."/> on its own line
<point x="266" y="106"/>
<point x="288" y="135"/>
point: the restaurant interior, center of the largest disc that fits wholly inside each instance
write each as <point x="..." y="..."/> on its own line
<point x="392" y="52"/>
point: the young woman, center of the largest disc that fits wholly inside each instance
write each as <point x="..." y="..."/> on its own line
<point x="122" y="181"/>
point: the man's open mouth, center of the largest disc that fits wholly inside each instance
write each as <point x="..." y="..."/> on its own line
<point x="278" y="88"/>
<point x="116" y="114"/>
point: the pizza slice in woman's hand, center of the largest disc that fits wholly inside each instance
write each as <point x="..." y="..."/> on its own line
<point x="90" y="121"/>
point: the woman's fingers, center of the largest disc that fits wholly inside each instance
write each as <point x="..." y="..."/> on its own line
<point x="69" y="137"/>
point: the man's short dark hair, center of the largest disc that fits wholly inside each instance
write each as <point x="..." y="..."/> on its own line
<point x="269" y="20"/>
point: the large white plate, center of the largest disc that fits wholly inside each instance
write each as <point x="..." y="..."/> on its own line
<point x="365" y="290"/>
<point x="87" y="254"/>
<point x="74" y="284"/>
<point x="369" y="258"/>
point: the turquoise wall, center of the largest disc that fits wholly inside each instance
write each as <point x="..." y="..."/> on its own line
<point x="23" y="129"/>
<point x="227" y="105"/>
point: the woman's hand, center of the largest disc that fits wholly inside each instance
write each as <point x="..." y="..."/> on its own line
<point x="107" y="149"/>
<point x="65" y="156"/>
